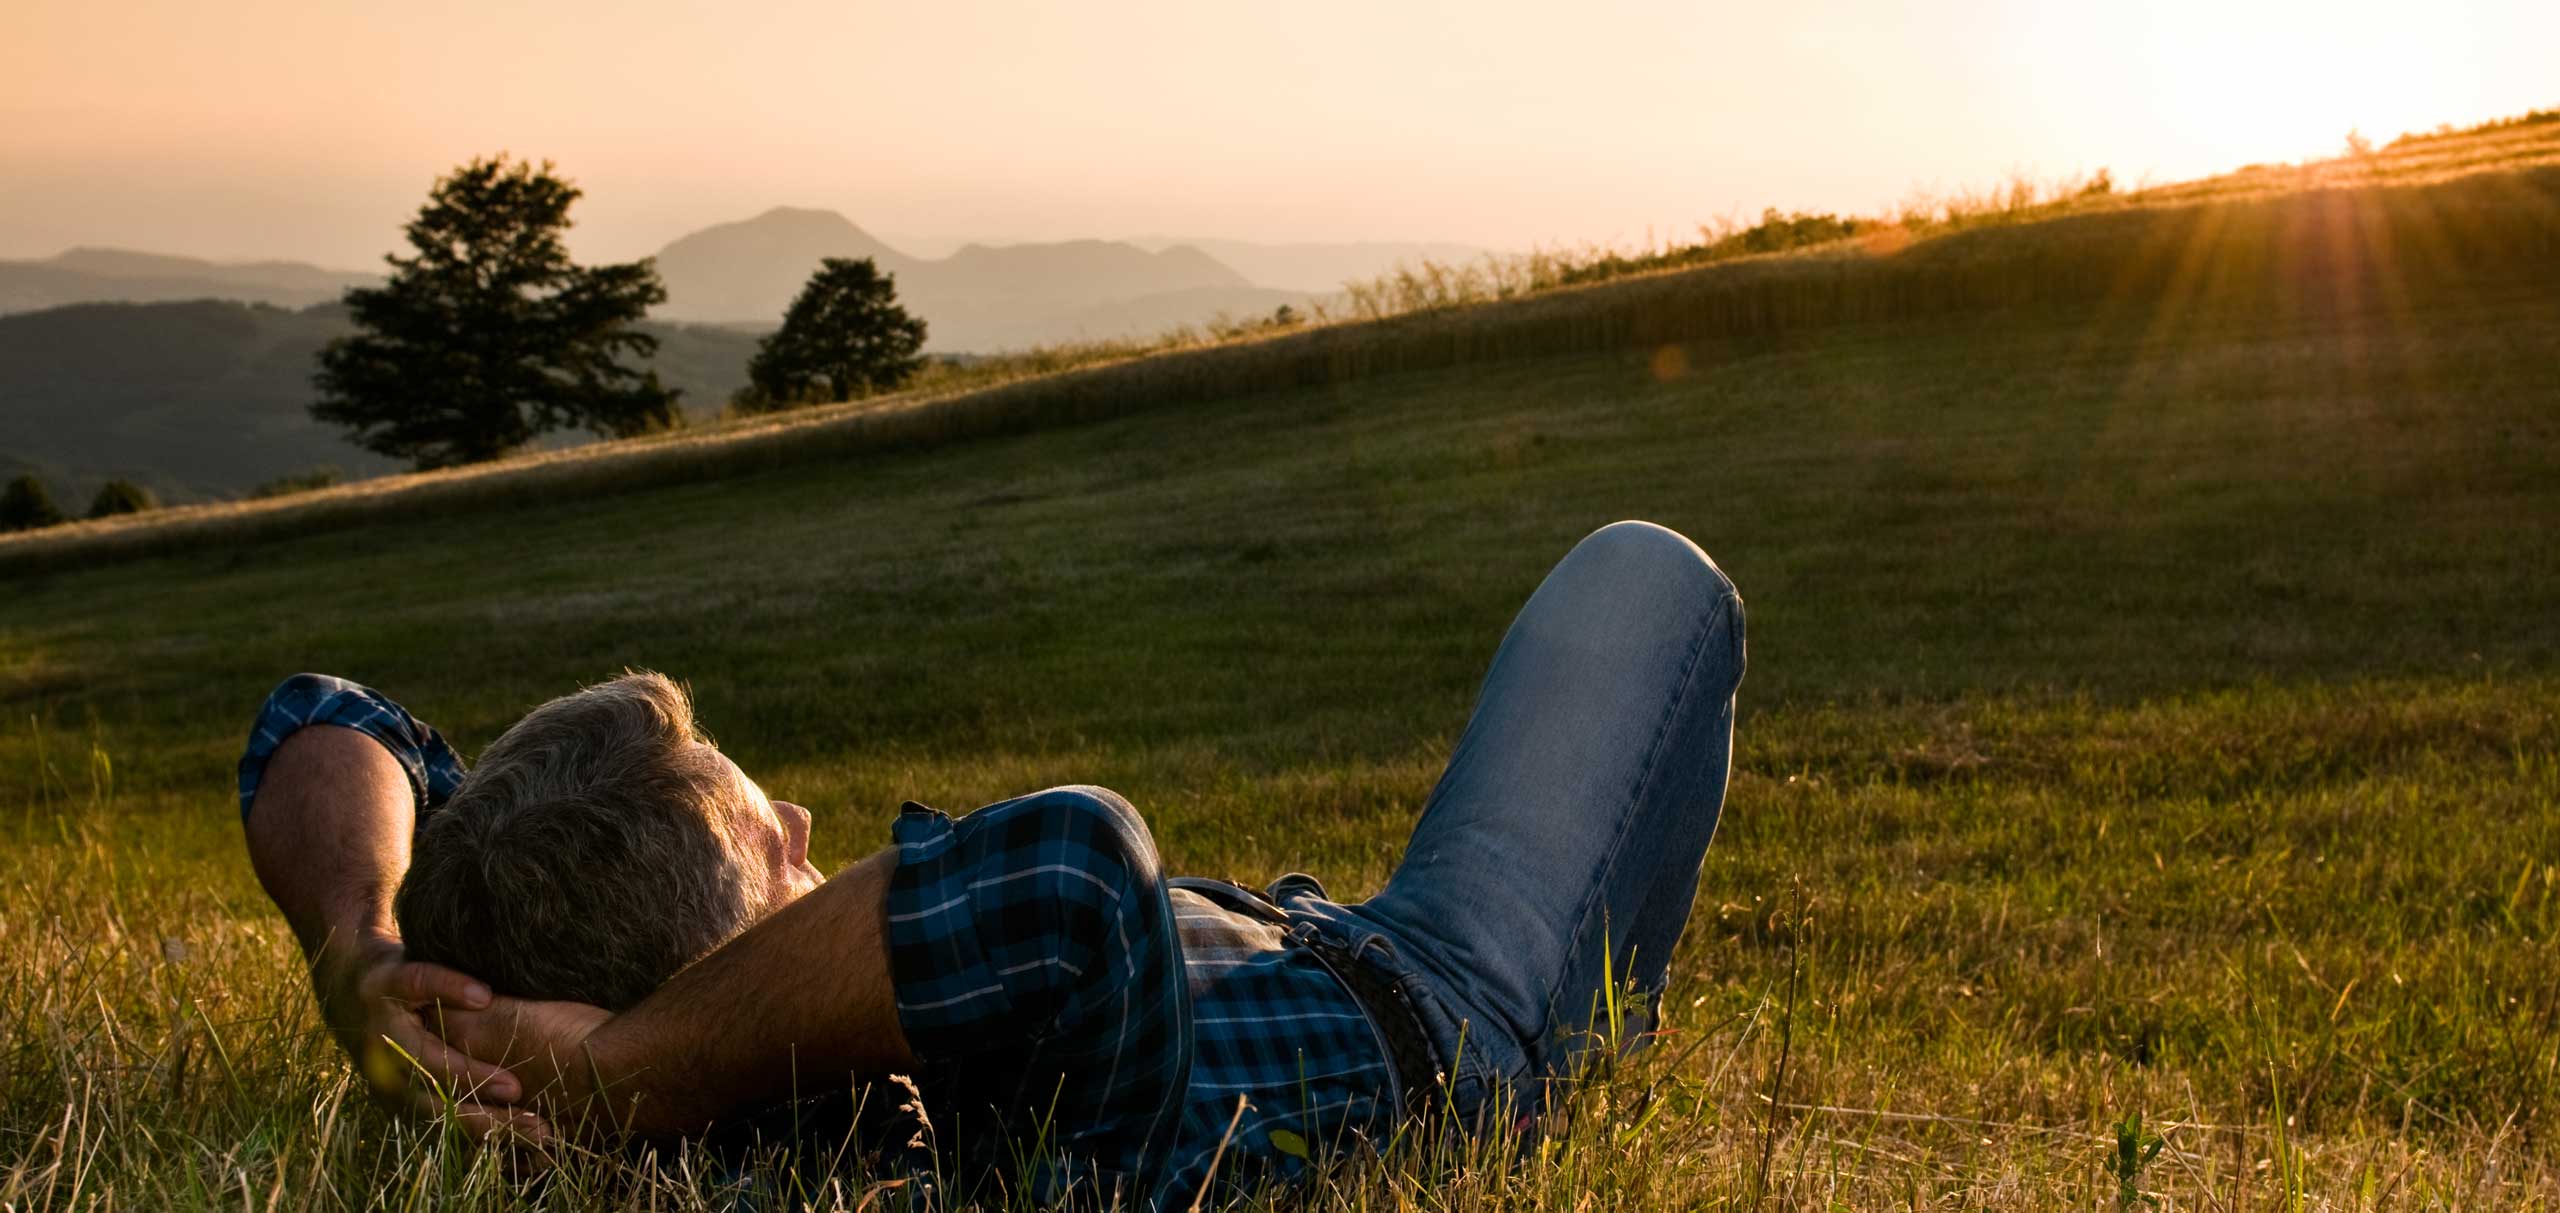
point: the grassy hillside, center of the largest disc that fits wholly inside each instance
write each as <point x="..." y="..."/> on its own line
<point x="2238" y="254"/>
<point x="2152" y="705"/>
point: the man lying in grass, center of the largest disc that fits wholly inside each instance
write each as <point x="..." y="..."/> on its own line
<point x="665" y="958"/>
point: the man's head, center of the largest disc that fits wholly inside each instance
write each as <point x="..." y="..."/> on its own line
<point x="600" y="845"/>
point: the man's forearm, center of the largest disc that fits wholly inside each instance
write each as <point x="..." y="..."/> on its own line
<point x="329" y="836"/>
<point x="800" y="1001"/>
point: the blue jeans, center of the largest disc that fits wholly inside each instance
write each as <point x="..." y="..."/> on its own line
<point x="1562" y="846"/>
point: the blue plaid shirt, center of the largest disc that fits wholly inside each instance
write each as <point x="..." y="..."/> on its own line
<point x="1048" y="973"/>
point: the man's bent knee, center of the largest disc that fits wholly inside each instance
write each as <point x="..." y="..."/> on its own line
<point x="1646" y="552"/>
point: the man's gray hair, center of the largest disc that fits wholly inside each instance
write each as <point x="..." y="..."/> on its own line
<point x="587" y="856"/>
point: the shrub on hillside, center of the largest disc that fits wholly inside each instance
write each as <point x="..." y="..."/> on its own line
<point x="25" y="505"/>
<point x="121" y="497"/>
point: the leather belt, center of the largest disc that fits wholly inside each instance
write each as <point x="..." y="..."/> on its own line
<point x="1382" y="996"/>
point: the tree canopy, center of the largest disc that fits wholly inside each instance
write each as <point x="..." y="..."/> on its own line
<point x="121" y="497"/>
<point x="844" y="337"/>
<point x="25" y="505"/>
<point x="488" y="335"/>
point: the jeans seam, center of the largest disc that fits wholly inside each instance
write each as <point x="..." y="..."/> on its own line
<point x="1644" y="780"/>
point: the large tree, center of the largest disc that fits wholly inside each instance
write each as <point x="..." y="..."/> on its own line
<point x="488" y="336"/>
<point x="844" y="337"/>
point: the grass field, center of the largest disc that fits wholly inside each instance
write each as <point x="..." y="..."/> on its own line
<point x="2152" y="713"/>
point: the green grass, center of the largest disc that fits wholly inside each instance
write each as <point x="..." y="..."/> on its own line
<point x="2152" y="711"/>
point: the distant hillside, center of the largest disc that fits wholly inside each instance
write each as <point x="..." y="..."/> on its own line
<point x="1318" y="267"/>
<point x="982" y="297"/>
<point x="207" y="398"/>
<point x="95" y="275"/>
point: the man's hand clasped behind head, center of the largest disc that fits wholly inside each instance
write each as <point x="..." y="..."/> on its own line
<point x="546" y="1047"/>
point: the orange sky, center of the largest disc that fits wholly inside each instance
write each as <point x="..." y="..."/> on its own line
<point x="310" y="130"/>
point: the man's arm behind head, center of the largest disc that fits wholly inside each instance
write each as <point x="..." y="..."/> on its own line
<point x="328" y="834"/>
<point x="797" y="1002"/>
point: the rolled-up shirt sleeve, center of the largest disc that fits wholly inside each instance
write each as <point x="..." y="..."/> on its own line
<point x="1039" y="976"/>
<point x="434" y="770"/>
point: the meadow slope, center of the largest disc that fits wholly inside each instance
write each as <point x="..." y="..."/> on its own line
<point x="2152" y="712"/>
<point x="2458" y="213"/>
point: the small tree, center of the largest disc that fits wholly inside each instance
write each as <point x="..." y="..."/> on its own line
<point x="121" y="497"/>
<point x="488" y="335"/>
<point x="844" y="337"/>
<point x="25" y="505"/>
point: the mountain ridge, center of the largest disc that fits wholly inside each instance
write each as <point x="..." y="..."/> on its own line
<point x="982" y="296"/>
<point x="103" y="274"/>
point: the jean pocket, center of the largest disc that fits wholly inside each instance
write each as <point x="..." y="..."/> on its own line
<point x="1478" y="1058"/>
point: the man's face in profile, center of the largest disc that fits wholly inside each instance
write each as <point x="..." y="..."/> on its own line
<point x="770" y="841"/>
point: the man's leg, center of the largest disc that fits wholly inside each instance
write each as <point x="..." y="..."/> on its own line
<point x="1565" y="839"/>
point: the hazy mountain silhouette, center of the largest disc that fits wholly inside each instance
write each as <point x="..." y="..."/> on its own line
<point x="208" y="398"/>
<point x="982" y="297"/>
<point x="100" y="275"/>
<point x="743" y="274"/>
<point x="748" y="271"/>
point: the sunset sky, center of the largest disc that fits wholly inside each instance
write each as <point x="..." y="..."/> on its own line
<point x="310" y="130"/>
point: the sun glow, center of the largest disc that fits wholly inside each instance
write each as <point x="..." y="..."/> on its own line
<point x="306" y="129"/>
<point x="2256" y="80"/>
